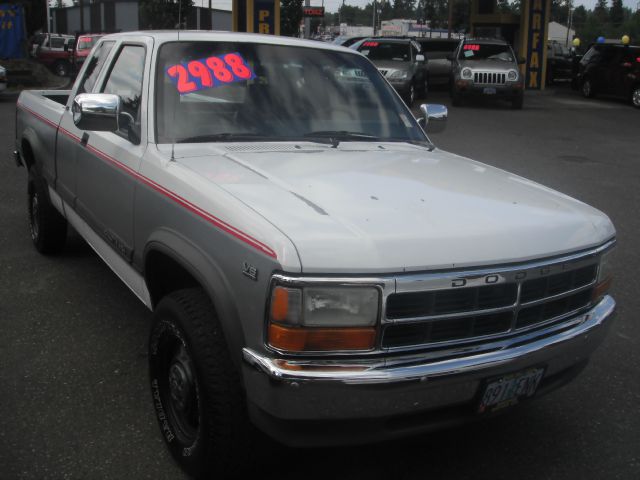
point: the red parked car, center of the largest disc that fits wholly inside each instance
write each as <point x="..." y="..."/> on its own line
<point x="83" y="47"/>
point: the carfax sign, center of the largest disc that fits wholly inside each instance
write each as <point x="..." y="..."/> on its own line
<point x="538" y="13"/>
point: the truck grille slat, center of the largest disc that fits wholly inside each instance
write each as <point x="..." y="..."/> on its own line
<point x="463" y="314"/>
<point x="489" y="78"/>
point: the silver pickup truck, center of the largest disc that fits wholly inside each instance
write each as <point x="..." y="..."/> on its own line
<point x="316" y="268"/>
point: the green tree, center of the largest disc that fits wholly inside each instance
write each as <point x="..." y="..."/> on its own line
<point x="403" y="8"/>
<point x="616" y="13"/>
<point x="159" y="14"/>
<point x="460" y="21"/>
<point x="601" y="12"/>
<point x="290" y="17"/>
<point x="560" y="11"/>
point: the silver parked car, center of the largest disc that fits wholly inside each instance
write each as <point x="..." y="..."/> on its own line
<point x="486" y="68"/>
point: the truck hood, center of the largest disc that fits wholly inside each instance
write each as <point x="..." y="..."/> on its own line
<point x="391" y="207"/>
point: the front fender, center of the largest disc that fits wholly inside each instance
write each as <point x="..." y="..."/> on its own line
<point x="209" y="275"/>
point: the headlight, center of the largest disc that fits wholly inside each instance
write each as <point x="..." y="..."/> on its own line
<point x="466" y="73"/>
<point x="398" y="75"/>
<point x="319" y="318"/>
<point x="605" y="276"/>
<point x="512" y="76"/>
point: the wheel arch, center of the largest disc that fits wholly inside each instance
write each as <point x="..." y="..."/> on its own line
<point x="172" y="262"/>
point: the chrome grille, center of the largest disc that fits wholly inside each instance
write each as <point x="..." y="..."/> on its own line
<point x="489" y="78"/>
<point x="474" y="307"/>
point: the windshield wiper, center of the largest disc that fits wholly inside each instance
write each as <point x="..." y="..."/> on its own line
<point x="337" y="135"/>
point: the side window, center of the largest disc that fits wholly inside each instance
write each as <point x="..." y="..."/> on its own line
<point x="57" y="42"/>
<point x="94" y="67"/>
<point x="125" y="80"/>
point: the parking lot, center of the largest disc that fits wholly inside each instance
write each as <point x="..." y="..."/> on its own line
<point x="73" y="370"/>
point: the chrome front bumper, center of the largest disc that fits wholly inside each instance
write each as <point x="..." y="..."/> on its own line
<point x="296" y="390"/>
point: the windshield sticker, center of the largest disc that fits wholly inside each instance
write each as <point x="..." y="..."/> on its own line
<point x="468" y="53"/>
<point x="210" y="72"/>
<point x="471" y="46"/>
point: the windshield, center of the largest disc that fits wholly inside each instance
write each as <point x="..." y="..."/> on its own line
<point x="87" y="43"/>
<point x="375" y="50"/>
<point x="475" y="51"/>
<point x="215" y="91"/>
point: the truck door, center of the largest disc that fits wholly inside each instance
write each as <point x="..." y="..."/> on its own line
<point x="107" y="162"/>
<point x="69" y="135"/>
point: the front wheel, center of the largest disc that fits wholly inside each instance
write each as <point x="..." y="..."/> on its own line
<point x="410" y="97"/>
<point x="196" y="390"/>
<point x="62" y="69"/>
<point x="635" y="96"/>
<point x="587" y="88"/>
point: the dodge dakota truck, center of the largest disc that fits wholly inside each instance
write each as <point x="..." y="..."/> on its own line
<point x="317" y="269"/>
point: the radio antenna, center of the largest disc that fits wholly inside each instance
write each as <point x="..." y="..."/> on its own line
<point x="173" y="121"/>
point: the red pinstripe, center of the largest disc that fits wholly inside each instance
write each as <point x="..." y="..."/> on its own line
<point x="222" y="225"/>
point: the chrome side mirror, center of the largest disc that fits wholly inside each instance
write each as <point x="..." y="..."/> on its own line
<point x="435" y="117"/>
<point x="96" y="112"/>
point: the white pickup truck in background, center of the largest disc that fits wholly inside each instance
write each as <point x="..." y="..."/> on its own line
<point x="317" y="268"/>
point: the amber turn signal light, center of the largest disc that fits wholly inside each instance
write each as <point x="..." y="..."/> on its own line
<point x="601" y="289"/>
<point x="297" y="339"/>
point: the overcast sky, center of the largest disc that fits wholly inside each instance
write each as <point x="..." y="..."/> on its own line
<point x="333" y="5"/>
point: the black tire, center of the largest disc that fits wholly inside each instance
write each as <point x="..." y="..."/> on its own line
<point x="424" y="90"/>
<point x="410" y="96"/>
<point x="197" y="393"/>
<point x="62" y="68"/>
<point x="587" y="88"/>
<point x="48" y="228"/>
<point x="635" y="96"/>
<point x="516" y="103"/>
<point x="550" y="79"/>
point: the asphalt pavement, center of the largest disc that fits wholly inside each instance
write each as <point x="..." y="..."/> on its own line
<point x="74" y="400"/>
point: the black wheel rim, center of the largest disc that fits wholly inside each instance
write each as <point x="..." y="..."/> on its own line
<point x="179" y="388"/>
<point x="34" y="211"/>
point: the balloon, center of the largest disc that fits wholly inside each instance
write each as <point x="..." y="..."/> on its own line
<point x="576" y="42"/>
<point x="625" y="39"/>
<point x="600" y="40"/>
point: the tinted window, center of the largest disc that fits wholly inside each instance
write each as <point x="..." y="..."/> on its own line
<point x="125" y="80"/>
<point x="592" y="55"/>
<point x="375" y="50"/>
<point x="57" y="42"/>
<point x="94" y="67"/>
<point x="478" y="51"/>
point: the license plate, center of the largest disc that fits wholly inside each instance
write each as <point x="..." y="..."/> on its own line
<point x="508" y="390"/>
<point x="489" y="91"/>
